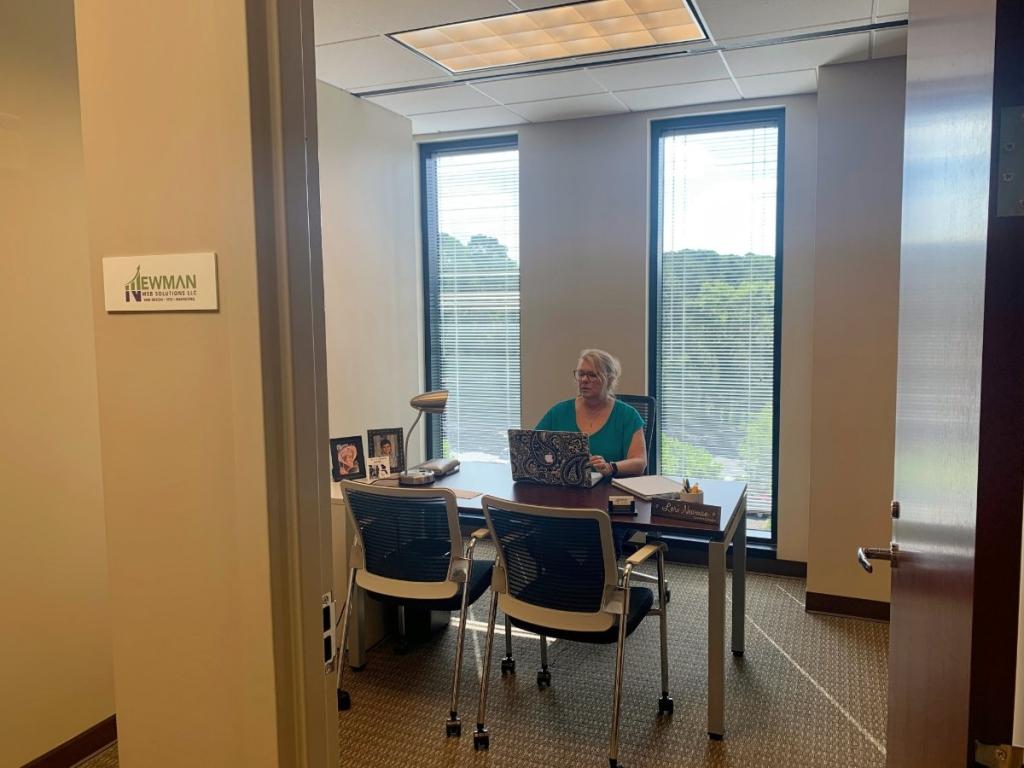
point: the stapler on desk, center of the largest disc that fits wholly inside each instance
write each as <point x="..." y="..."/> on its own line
<point x="622" y="505"/>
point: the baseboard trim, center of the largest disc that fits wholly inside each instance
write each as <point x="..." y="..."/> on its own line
<point x="79" y="747"/>
<point x="838" y="605"/>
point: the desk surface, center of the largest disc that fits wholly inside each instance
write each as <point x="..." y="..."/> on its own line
<point x="496" y="480"/>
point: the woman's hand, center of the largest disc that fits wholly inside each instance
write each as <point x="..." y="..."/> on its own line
<point x="598" y="464"/>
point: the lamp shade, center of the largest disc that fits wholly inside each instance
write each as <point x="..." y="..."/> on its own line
<point x="430" y="402"/>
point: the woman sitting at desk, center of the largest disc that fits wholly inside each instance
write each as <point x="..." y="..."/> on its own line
<point x="615" y="429"/>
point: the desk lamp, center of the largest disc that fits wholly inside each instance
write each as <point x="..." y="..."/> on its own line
<point x="428" y="402"/>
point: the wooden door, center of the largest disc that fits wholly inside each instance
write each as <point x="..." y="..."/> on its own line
<point x="960" y="409"/>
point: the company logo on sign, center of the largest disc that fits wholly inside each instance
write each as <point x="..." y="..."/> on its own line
<point x="145" y="287"/>
<point x="172" y="282"/>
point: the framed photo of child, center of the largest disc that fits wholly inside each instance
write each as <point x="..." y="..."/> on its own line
<point x="387" y="443"/>
<point x="347" y="459"/>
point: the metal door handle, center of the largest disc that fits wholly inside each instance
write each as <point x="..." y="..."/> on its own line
<point x="866" y="554"/>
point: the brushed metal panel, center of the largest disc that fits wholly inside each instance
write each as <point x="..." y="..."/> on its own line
<point x="947" y="168"/>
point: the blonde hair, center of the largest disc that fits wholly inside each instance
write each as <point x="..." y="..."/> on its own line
<point x="606" y="365"/>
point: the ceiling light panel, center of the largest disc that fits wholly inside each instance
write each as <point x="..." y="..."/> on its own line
<point x="546" y="34"/>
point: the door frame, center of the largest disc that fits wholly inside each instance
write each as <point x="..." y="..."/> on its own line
<point x="282" y="71"/>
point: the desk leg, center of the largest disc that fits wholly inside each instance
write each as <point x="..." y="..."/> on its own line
<point x="357" y="633"/>
<point x="716" y="639"/>
<point x="739" y="584"/>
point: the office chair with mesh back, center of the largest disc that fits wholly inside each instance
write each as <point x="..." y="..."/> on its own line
<point x="556" y="575"/>
<point x="647" y="407"/>
<point x="407" y="550"/>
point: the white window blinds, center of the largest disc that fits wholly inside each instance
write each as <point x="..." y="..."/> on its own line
<point x="471" y="247"/>
<point x="715" y="324"/>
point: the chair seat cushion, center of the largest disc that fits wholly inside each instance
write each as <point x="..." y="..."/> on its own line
<point x="479" y="581"/>
<point x="641" y="600"/>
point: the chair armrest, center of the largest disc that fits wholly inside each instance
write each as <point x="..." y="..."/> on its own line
<point x="645" y="553"/>
<point x="459" y="571"/>
<point x="480" y="534"/>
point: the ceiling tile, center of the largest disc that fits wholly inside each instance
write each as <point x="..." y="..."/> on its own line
<point x="678" y="95"/>
<point x="779" y="84"/>
<point x="375" y="61"/>
<point x="727" y="19"/>
<point x="464" y="120"/>
<point x="889" y="42"/>
<point x="651" y="74"/>
<point x="891" y="8"/>
<point x="402" y="15"/>
<point x="434" y="100"/>
<point x="539" y="87"/>
<point x="570" y="108"/>
<point x="333" y="22"/>
<point x="790" y="57"/>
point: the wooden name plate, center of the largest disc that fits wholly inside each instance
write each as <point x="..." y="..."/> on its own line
<point x="690" y="511"/>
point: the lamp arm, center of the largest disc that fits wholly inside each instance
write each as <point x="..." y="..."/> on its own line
<point x="408" y="435"/>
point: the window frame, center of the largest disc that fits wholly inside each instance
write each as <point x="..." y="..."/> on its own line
<point x="659" y="128"/>
<point x="429" y="256"/>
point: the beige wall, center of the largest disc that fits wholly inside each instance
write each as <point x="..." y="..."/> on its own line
<point x="371" y="271"/>
<point x="55" y="646"/>
<point x="856" y="300"/>
<point x="584" y="252"/>
<point x="583" y="238"/>
<point x="168" y="160"/>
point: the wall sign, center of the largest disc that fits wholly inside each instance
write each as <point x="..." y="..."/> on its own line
<point x="173" y="282"/>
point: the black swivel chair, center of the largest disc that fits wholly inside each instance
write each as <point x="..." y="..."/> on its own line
<point x="407" y="550"/>
<point x="647" y="407"/>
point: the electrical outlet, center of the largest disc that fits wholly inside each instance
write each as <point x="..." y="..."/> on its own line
<point x="328" y="618"/>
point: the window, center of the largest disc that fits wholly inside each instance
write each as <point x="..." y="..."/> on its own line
<point x="715" y="287"/>
<point x="470" y="216"/>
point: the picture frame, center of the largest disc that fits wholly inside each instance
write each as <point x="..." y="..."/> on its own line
<point x="378" y="468"/>
<point x="348" y="462"/>
<point x="387" y="442"/>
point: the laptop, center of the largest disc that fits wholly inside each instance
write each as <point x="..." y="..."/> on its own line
<point x="551" y="458"/>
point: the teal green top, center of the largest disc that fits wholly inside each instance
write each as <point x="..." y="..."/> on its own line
<point x="611" y="441"/>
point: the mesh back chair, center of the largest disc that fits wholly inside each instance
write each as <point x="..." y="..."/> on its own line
<point x="647" y="407"/>
<point x="408" y="550"/>
<point x="556" y="576"/>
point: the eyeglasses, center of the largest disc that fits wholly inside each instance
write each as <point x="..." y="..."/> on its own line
<point x="581" y="375"/>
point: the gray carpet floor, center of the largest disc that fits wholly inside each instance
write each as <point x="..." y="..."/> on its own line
<point x="810" y="691"/>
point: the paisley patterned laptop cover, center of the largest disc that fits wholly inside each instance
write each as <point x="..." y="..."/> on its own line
<point x="551" y="458"/>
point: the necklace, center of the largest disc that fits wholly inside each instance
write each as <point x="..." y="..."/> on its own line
<point x="591" y="416"/>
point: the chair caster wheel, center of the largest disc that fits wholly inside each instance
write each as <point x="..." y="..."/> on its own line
<point x="481" y="740"/>
<point x="508" y="666"/>
<point x="344" y="701"/>
<point x="453" y="727"/>
<point x="544" y="679"/>
<point x="613" y="763"/>
<point x="668" y="595"/>
<point x="665" y="705"/>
